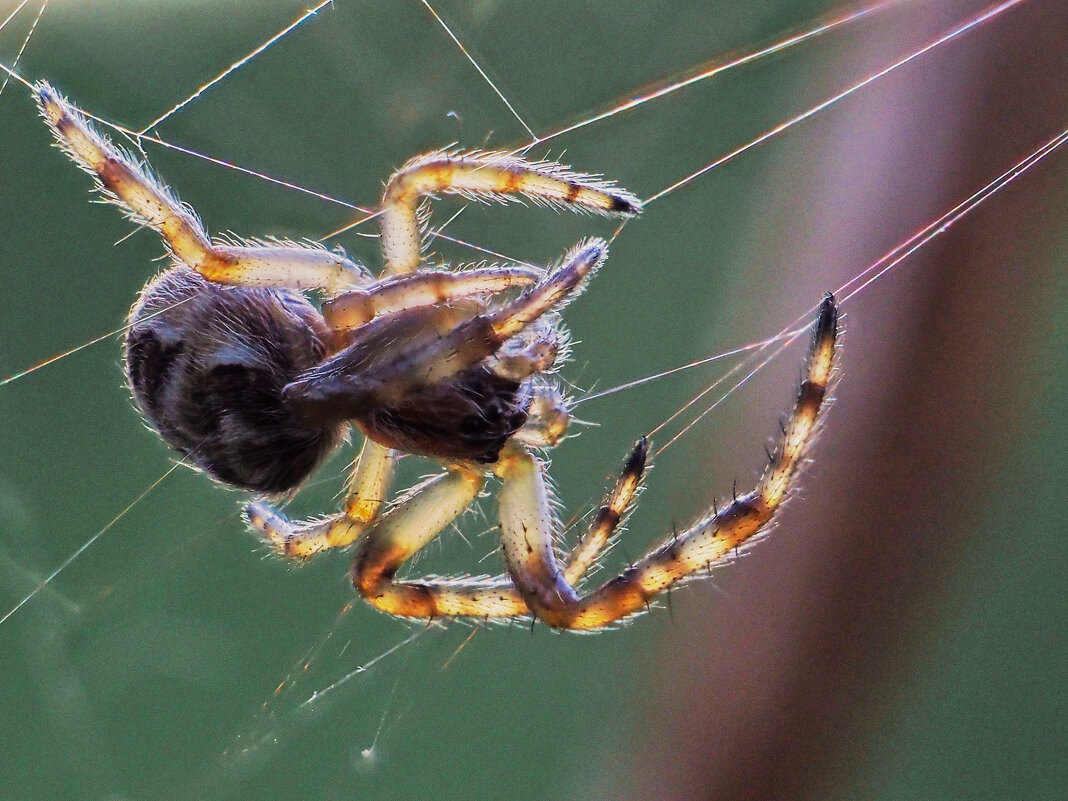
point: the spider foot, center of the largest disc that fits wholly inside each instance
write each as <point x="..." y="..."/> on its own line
<point x="299" y="540"/>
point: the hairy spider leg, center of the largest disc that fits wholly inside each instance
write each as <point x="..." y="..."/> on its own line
<point x="127" y="183"/>
<point x="484" y="177"/>
<point x="368" y="485"/>
<point x="609" y="516"/>
<point x="528" y="526"/>
<point x="425" y="512"/>
<point x="528" y="532"/>
<point x="428" y="288"/>
<point x="707" y="543"/>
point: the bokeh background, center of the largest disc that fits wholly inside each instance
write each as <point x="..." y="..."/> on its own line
<point x="901" y="635"/>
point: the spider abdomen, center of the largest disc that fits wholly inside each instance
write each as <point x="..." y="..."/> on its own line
<point x="207" y="363"/>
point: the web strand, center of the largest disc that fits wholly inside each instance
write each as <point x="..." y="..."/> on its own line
<point x="950" y="218"/>
<point x="241" y="62"/>
<point x="705" y="73"/>
<point x="25" y="40"/>
<point x="84" y="345"/>
<point x="370" y="214"/>
<point x="11" y="16"/>
<point x="876" y="270"/>
<point x="85" y="546"/>
<point x="482" y="72"/>
<point x="319" y="695"/>
<point x="811" y="112"/>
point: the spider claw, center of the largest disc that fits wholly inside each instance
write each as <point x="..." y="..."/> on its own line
<point x="636" y="463"/>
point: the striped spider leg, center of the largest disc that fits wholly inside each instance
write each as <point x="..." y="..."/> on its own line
<point x="124" y="181"/>
<point x="526" y="515"/>
<point x="539" y="585"/>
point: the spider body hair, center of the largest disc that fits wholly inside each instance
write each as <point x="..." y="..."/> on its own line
<point x="207" y="365"/>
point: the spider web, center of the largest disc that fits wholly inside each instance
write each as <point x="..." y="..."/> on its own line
<point x="411" y="122"/>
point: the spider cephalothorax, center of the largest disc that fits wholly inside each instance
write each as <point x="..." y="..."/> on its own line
<point x="255" y="385"/>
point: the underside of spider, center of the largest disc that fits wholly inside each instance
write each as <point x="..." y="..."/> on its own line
<point x="255" y="385"/>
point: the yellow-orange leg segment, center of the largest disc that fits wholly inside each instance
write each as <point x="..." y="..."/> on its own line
<point x="408" y="528"/>
<point x="368" y="485"/>
<point x="429" y="509"/>
<point x="609" y="516"/>
<point x="711" y="540"/>
<point x="485" y="176"/>
<point x="122" y="180"/>
<point x="528" y="525"/>
<point x="360" y="306"/>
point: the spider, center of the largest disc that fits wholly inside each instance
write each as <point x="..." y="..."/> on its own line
<point x="253" y="384"/>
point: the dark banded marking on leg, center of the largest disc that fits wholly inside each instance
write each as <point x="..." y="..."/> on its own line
<point x="485" y="176"/>
<point x="609" y="515"/>
<point x="712" y="540"/>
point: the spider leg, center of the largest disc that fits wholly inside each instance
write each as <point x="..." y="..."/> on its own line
<point x="433" y="506"/>
<point x="599" y="536"/>
<point x="123" y="180"/>
<point x="353" y="379"/>
<point x="484" y="176"/>
<point x="368" y="486"/>
<point x="359" y="306"/>
<point x="528" y="525"/>
<point x="428" y="510"/>
<point x="711" y="540"/>
<point x="405" y="530"/>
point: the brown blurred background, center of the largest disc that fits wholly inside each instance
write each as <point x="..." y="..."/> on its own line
<point x="905" y="637"/>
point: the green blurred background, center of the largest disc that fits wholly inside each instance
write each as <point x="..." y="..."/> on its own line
<point x="901" y="635"/>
